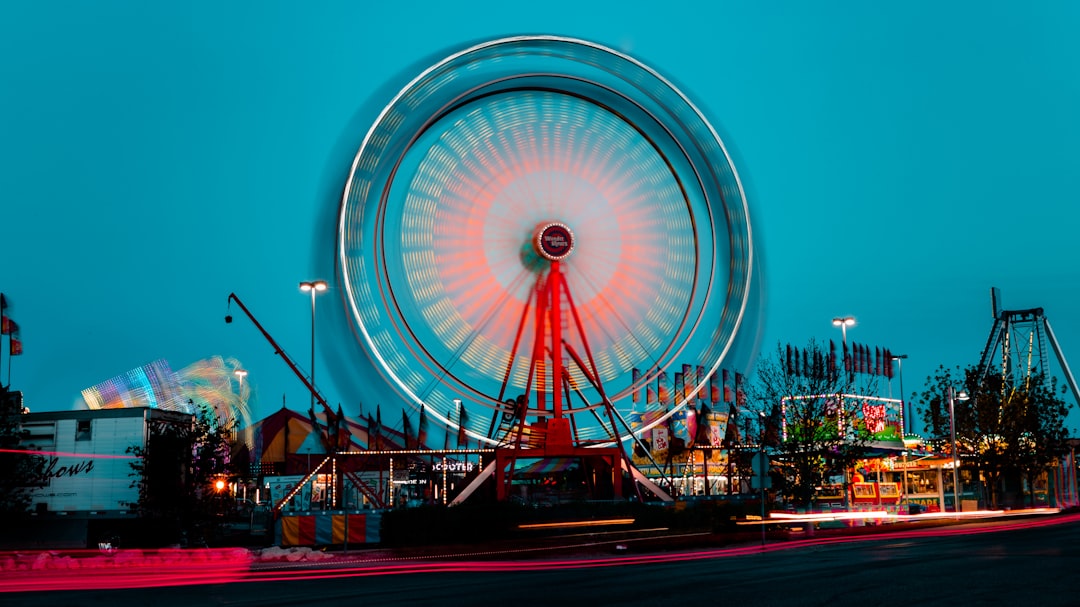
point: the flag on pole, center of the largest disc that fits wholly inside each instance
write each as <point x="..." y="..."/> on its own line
<point x="691" y="425"/>
<point x="462" y="437"/>
<point x="5" y="320"/>
<point x="375" y="430"/>
<point x="421" y="429"/>
<point x="727" y="388"/>
<point x="662" y="389"/>
<point x="15" y="342"/>
<point x="700" y="395"/>
<point x="341" y="430"/>
<point x="688" y="382"/>
<point x="406" y="430"/>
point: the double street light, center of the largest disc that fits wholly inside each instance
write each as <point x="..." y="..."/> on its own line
<point x="844" y="322"/>
<point x="314" y="287"/>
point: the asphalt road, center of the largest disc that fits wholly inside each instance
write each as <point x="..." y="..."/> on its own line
<point x="1022" y="563"/>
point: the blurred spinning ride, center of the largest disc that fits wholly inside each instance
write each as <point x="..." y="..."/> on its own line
<point x="529" y="220"/>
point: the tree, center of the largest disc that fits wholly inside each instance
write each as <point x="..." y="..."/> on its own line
<point x="1042" y="437"/>
<point x="822" y="433"/>
<point x="20" y="469"/>
<point x="175" y="473"/>
<point x="1001" y="429"/>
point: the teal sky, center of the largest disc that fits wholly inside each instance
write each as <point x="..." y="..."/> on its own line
<point x="900" y="160"/>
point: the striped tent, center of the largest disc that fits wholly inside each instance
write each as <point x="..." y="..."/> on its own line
<point x="284" y="441"/>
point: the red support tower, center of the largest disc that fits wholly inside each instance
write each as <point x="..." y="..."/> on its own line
<point x="551" y="434"/>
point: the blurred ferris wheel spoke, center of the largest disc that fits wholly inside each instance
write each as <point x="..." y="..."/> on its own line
<point x="466" y="169"/>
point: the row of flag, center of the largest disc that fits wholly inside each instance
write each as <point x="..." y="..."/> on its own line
<point x="859" y="360"/>
<point x="10" y="328"/>
<point x="711" y="400"/>
<point x="720" y="388"/>
<point x="335" y="435"/>
<point x="419" y="439"/>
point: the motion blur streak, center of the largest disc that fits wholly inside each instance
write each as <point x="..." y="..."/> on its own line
<point x="188" y="567"/>
<point x="584" y="562"/>
<point x="92" y="570"/>
<point x="567" y="525"/>
<point x="66" y="454"/>
<point x="883" y="515"/>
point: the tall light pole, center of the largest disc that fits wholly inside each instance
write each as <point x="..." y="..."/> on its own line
<point x="759" y="462"/>
<point x="899" y="358"/>
<point x="763" y="463"/>
<point x="953" y="397"/>
<point x="844" y="322"/>
<point x="313" y="287"/>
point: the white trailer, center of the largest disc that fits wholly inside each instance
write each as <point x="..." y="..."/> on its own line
<point x="87" y="461"/>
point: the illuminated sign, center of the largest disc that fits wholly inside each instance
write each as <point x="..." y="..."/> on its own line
<point x="454" y="466"/>
<point x="555" y="241"/>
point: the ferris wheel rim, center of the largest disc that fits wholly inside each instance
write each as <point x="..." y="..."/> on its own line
<point x="352" y="295"/>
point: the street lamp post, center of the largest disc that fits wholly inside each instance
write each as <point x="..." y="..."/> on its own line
<point x="844" y="322"/>
<point x="953" y="397"/>
<point x="899" y="358"/>
<point x="313" y="287"/>
<point x="762" y="464"/>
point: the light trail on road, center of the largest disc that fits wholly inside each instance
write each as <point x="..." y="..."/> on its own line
<point x="181" y="568"/>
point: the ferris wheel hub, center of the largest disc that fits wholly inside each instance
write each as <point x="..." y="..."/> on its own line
<point x="554" y="240"/>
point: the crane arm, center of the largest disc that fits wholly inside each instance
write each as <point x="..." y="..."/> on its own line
<point x="280" y="352"/>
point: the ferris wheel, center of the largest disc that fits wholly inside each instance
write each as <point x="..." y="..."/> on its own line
<point x="528" y="222"/>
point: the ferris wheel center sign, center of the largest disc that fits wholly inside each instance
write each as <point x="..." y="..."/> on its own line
<point x="554" y="241"/>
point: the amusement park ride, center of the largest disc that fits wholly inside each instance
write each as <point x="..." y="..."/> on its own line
<point x="528" y="221"/>
<point x="554" y="436"/>
<point x="1016" y="347"/>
